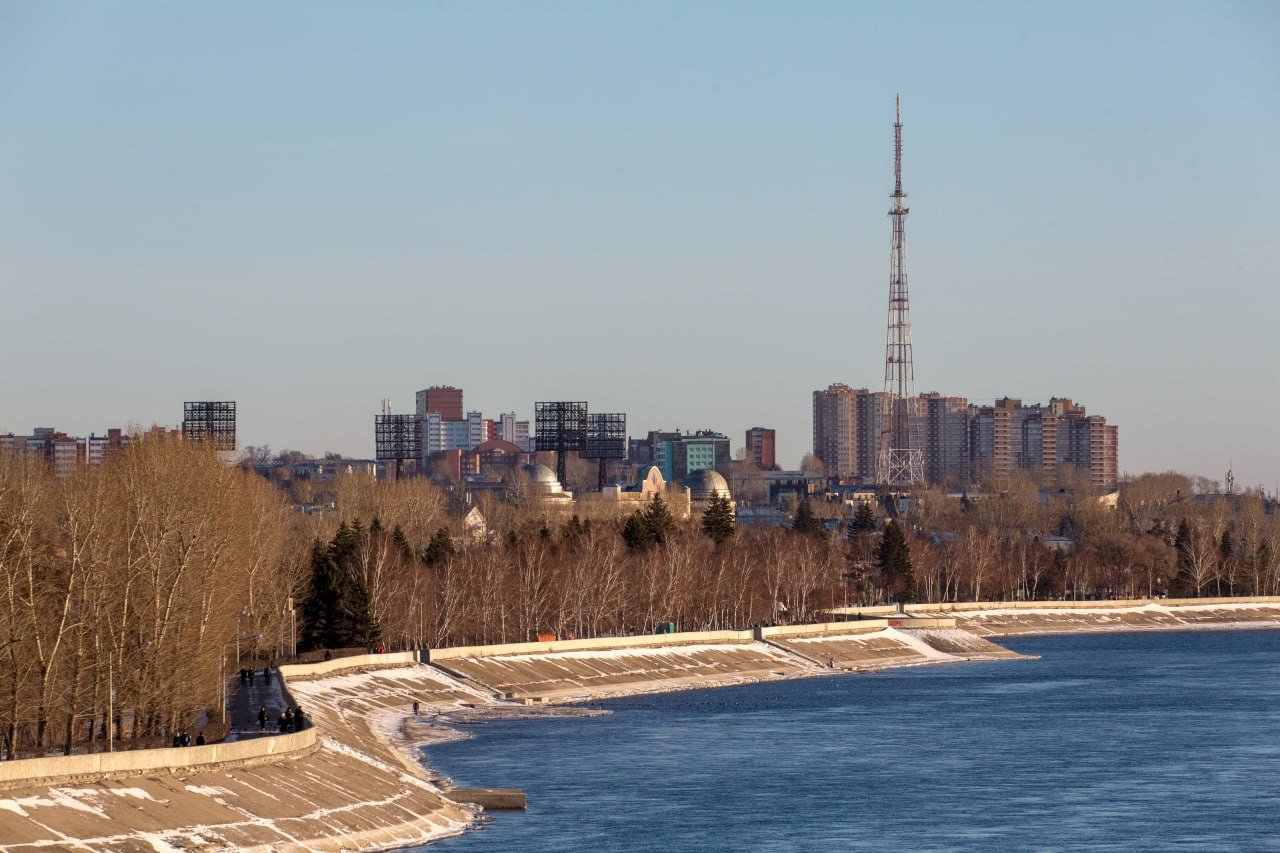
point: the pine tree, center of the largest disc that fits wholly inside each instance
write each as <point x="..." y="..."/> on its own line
<point x="321" y="601"/>
<point x="401" y="543"/>
<point x="657" y="515"/>
<point x="717" y="519"/>
<point x="439" y="548"/>
<point x="364" y="629"/>
<point x="805" y="521"/>
<point x="1181" y="586"/>
<point x="893" y="558"/>
<point x="637" y="533"/>
<point x="863" y="522"/>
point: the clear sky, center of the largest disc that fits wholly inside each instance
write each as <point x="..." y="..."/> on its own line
<point x="675" y="210"/>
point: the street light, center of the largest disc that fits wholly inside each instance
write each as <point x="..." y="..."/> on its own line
<point x="222" y="672"/>
<point x="293" y="629"/>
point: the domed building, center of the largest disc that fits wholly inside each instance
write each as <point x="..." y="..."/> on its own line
<point x="543" y="481"/>
<point x="705" y="483"/>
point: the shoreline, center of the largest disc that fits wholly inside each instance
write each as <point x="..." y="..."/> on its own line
<point x="368" y="784"/>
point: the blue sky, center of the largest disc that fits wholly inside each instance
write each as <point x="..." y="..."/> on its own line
<point x="675" y="210"/>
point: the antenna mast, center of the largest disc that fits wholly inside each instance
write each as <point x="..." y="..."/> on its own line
<point x="900" y="456"/>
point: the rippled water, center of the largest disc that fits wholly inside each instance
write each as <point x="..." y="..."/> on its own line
<point x="1133" y="741"/>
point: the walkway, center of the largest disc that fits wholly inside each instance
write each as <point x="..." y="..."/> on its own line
<point x="245" y="702"/>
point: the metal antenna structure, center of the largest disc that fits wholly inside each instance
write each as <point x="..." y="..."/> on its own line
<point x="900" y="456"/>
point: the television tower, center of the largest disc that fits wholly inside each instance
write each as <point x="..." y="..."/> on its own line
<point x="900" y="456"/>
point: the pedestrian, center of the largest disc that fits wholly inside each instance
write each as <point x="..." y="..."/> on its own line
<point x="200" y="738"/>
<point x="328" y="655"/>
<point x="266" y="675"/>
<point x="262" y="719"/>
<point x="415" y="707"/>
<point x="831" y="664"/>
<point x="244" y="676"/>
<point x="186" y="738"/>
<point x="250" y="678"/>
<point x="177" y="739"/>
<point x="299" y="721"/>
<point x="280" y="723"/>
<point x="288" y="718"/>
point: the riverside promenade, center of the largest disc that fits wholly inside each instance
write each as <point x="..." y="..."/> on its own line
<point x="353" y="780"/>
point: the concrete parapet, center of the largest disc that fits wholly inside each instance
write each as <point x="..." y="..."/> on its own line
<point x="968" y="606"/>
<point x="301" y="671"/>
<point x="139" y="761"/>
<point x="594" y="644"/>
<point x="821" y="629"/>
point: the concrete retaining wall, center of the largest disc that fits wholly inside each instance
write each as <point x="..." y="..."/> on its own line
<point x="599" y="643"/>
<point x="322" y="668"/>
<point x="138" y="761"/>
<point x="967" y="606"/>
<point x="820" y="629"/>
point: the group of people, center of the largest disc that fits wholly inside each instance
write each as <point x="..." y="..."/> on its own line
<point x="247" y="676"/>
<point x="290" y="720"/>
<point x="183" y="738"/>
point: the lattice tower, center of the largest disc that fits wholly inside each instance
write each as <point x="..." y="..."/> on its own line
<point x="900" y="456"/>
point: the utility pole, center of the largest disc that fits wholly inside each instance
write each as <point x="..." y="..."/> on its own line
<point x="900" y="455"/>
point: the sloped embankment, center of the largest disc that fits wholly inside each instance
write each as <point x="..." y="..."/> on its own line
<point x="584" y="673"/>
<point x="1057" y="618"/>
<point x="347" y="790"/>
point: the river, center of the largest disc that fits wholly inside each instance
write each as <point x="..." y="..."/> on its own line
<point x="1129" y="741"/>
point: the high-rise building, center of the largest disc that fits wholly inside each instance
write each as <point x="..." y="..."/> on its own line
<point x="444" y="399"/>
<point x="761" y="442"/>
<point x="964" y="443"/>
<point x="1043" y="439"/>
<point x="945" y="433"/>
<point x="835" y="429"/>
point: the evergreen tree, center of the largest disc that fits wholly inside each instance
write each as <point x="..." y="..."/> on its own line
<point x="657" y="515"/>
<point x="401" y="543"/>
<point x="1181" y="586"/>
<point x="863" y="521"/>
<point x="893" y="558"/>
<point x="364" y="629"/>
<point x="717" y="519"/>
<point x="439" y="549"/>
<point x="321" y="602"/>
<point x="805" y="521"/>
<point x="637" y="533"/>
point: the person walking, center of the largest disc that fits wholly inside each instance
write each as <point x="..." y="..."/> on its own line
<point x="200" y="738"/>
<point x="266" y="675"/>
<point x="280" y="722"/>
<point x="244" y="676"/>
<point x="250" y="678"/>
<point x="415" y="707"/>
<point x="262" y="719"/>
<point x="288" y="719"/>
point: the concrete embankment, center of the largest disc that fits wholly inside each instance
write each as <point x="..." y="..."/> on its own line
<point x="1006" y="618"/>
<point x="583" y="669"/>
<point x="304" y="791"/>
<point x="354" y="780"/>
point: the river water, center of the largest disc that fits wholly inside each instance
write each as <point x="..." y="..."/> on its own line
<point x="1138" y="741"/>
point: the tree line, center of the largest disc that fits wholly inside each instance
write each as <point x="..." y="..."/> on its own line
<point x="122" y="588"/>
<point x="126" y="586"/>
